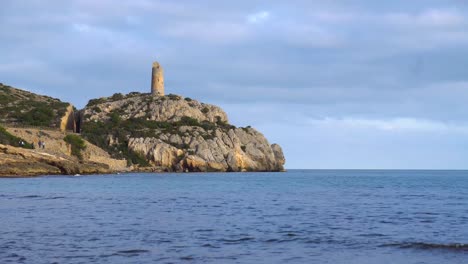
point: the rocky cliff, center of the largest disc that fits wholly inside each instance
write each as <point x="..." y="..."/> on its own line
<point x="172" y="133"/>
<point x="140" y="132"/>
<point x="24" y="108"/>
<point x="20" y="162"/>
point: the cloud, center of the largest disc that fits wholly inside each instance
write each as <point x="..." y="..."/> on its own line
<point x="258" y="17"/>
<point x="428" y="18"/>
<point x="82" y="28"/>
<point x="220" y="32"/>
<point x="393" y="125"/>
<point x="327" y="72"/>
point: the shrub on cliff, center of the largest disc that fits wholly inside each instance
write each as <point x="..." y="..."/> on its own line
<point x="96" y="101"/>
<point x="28" y="109"/>
<point x="187" y="121"/>
<point x="9" y="139"/>
<point x="77" y="145"/>
<point x="117" y="96"/>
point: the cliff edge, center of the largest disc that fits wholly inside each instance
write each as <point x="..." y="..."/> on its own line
<point x="172" y="133"/>
<point x="40" y="135"/>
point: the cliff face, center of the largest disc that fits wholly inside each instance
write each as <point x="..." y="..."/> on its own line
<point x="20" y="162"/>
<point x="232" y="150"/>
<point x="174" y="134"/>
<point x="55" y="158"/>
<point x="141" y="132"/>
<point x="170" y="108"/>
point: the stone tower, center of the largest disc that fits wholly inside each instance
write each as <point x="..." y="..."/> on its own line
<point x="157" y="80"/>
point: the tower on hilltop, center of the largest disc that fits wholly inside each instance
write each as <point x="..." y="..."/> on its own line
<point x="157" y="80"/>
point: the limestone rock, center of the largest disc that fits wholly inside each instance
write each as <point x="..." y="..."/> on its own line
<point x="203" y="142"/>
<point x="169" y="108"/>
<point x="213" y="154"/>
<point x="18" y="162"/>
<point x="157" y="152"/>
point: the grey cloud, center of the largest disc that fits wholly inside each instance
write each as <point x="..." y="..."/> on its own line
<point x="263" y="60"/>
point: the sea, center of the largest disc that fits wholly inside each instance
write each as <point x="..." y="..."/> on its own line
<point x="300" y="216"/>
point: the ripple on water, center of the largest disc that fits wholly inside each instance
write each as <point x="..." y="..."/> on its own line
<point x="299" y="217"/>
<point x="236" y="241"/>
<point x="29" y="196"/>
<point x="429" y="246"/>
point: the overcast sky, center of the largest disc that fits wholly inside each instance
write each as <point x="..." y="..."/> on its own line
<point x="338" y="84"/>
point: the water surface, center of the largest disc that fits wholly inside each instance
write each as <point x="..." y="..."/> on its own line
<point x="294" y="217"/>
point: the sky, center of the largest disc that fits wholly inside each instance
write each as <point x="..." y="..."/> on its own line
<point x="339" y="84"/>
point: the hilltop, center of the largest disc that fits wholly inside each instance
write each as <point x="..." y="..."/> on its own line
<point x="173" y="133"/>
<point x="133" y="132"/>
<point x="24" y="108"/>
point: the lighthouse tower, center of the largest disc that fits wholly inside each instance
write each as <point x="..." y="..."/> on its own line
<point x="157" y="80"/>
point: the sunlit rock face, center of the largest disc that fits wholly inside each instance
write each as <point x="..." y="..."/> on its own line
<point x="173" y="133"/>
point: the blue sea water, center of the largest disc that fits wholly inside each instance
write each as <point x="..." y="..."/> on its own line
<point x="309" y="216"/>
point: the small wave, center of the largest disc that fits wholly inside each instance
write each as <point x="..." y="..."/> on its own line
<point x="275" y="240"/>
<point x="234" y="241"/>
<point x="204" y="230"/>
<point x="55" y="198"/>
<point x="209" y="246"/>
<point x="132" y="251"/>
<point x="430" y="246"/>
<point x="127" y="253"/>
<point x="372" y="235"/>
<point x="30" y="196"/>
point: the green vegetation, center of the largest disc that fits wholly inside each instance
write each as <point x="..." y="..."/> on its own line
<point x="97" y="109"/>
<point x="117" y="97"/>
<point x="173" y="97"/>
<point x="98" y="133"/>
<point x="246" y="129"/>
<point x="77" y="145"/>
<point x="28" y="109"/>
<point x="9" y="139"/>
<point x="223" y="124"/>
<point x="120" y="130"/>
<point x="188" y="121"/>
<point x="113" y="98"/>
<point x="96" y="101"/>
<point x="46" y="114"/>
<point x="205" y="110"/>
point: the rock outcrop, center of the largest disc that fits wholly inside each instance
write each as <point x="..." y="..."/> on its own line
<point x="67" y="122"/>
<point x="24" y="108"/>
<point x="140" y="132"/>
<point x="233" y="150"/>
<point x="19" y="162"/>
<point x="168" y="108"/>
<point x="176" y="134"/>
<point x="56" y="146"/>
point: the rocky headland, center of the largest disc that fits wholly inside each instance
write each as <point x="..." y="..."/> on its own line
<point x="134" y="132"/>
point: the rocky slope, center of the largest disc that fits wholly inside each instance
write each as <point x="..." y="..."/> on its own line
<point x="171" y="133"/>
<point x="139" y="132"/>
<point x="56" y="146"/>
<point x="24" y="108"/>
<point x="20" y="162"/>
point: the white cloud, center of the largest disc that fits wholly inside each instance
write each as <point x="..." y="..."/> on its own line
<point x="336" y="17"/>
<point x="82" y="28"/>
<point x="428" y="18"/>
<point x="391" y="125"/>
<point x="258" y="17"/>
<point x="220" y="32"/>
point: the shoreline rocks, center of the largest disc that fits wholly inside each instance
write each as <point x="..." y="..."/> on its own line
<point x="19" y="162"/>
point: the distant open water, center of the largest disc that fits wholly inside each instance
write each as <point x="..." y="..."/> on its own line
<point x="295" y="217"/>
